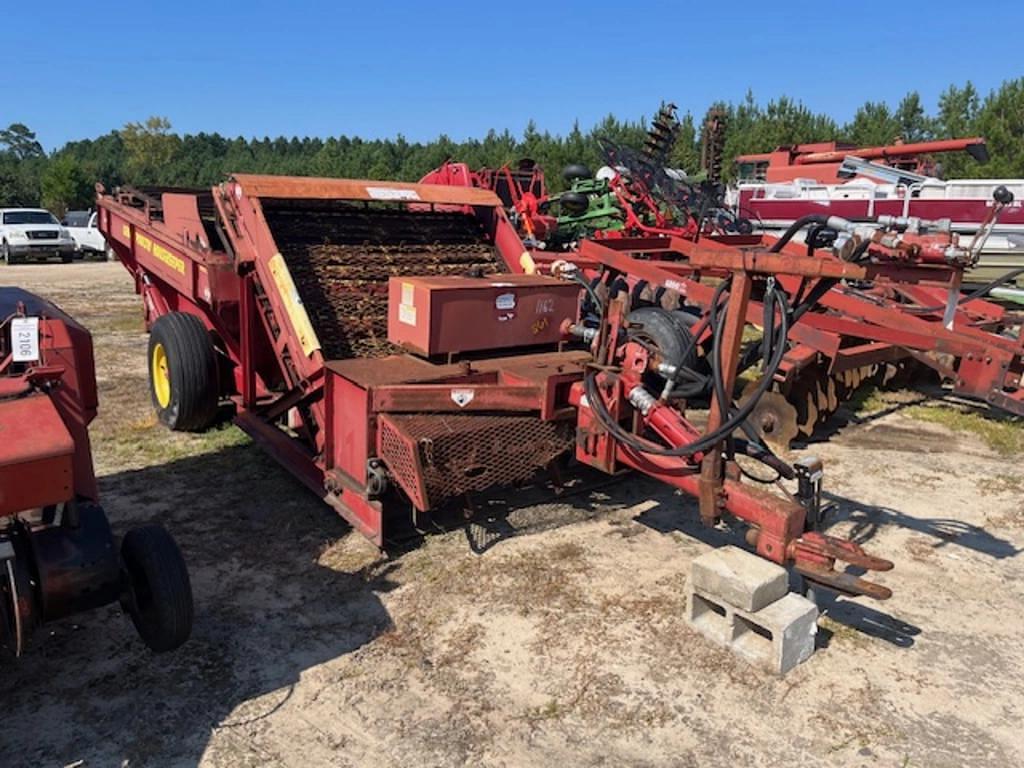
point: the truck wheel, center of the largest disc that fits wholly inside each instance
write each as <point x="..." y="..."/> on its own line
<point x="157" y="595"/>
<point x="65" y="258"/>
<point x="8" y="257"/>
<point x="183" y="372"/>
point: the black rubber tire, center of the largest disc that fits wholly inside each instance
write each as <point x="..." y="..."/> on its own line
<point x="574" y="203"/>
<point x="5" y="251"/>
<point x="158" y="594"/>
<point x="66" y="258"/>
<point x="576" y="171"/>
<point x="669" y="334"/>
<point x="192" y="369"/>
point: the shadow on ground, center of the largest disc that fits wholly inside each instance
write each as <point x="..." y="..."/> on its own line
<point x="265" y="613"/>
<point x="867" y="520"/>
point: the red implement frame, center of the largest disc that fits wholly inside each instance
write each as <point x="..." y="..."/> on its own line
<point x="46" y="406"/>
<point x="881" y="321"/>
<point x="348" y="427"/>
<point x="212" y="254"/>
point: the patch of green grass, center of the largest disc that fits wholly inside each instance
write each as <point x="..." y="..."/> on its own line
<point x="867" y="400"/>
<point x="128" y="320"/>
<point x="1004" y="435"/>
<point x="843" y="632"/>
<point x="550" y="711"/>
<point x="147" y="442"/>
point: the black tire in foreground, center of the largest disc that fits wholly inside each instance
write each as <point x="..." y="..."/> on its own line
<point x="183" y="372"/>
<point x="158" y="594"/>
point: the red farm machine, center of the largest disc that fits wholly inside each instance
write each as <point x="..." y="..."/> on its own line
<point x="57" y="554"/>
<point x="863" y="331"/>
<point x="395" y="347"/>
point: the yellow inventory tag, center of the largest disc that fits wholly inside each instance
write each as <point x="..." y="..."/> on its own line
<point x="293" y="305"/>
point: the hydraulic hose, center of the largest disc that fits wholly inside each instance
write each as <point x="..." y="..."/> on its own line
<point x="578" y="278"/>
<point x="813" y="297"/>
<point x="796" y="226"/>
<point x="733" y="419"/>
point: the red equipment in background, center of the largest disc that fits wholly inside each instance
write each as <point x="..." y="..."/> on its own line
<point x="57" y="552"/>
<point x="867" y="338"/>
<point x="822" y="161"/>
<point x="521" y="190"/>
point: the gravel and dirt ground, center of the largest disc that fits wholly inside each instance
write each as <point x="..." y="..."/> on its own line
<point x="562" y="645"/>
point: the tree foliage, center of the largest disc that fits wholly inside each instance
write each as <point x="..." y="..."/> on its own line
<point x="64" y="184"/>
<point x="148" y="152"/>
<point x="20" y="142"/>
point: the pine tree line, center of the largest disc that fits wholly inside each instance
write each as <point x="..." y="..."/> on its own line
<point x="150" y="153"/>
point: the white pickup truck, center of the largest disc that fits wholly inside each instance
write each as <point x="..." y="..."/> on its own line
<point x="89" y="241"/>
<point x="27" y="233"/>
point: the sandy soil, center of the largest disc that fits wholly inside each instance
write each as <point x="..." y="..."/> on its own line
<point x="562" y="645"/>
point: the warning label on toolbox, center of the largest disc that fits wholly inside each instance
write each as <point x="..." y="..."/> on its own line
<point x="407" y="306"/>
<point x="392" y="193"/>
<point x="505" y="301"/>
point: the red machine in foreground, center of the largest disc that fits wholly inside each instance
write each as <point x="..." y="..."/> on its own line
<point x="297" y="298"/>
<point x="57" y="553"/>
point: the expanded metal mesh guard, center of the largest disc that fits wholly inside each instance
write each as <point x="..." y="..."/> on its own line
<point x="437" y="457"/>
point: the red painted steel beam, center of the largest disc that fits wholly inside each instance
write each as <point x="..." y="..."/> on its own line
<point x="315" y="188"/>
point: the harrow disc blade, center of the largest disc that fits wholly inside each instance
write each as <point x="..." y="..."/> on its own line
<point x="821" y="401"/>
<point x="832" y="395"/>
<point x="803" y="400"/>
<point x="775" y="420"/>
<point x="842" y="390"/>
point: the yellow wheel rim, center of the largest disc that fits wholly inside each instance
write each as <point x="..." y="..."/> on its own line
<point x="161" y="376"/>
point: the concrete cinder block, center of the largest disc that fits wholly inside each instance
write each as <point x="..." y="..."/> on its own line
<point x="741" y="602"/>
<point x="776" y="638"/>
<point x="741" y="579"/>
<point x="712" y="618"/>
<point x="779" y="636"/>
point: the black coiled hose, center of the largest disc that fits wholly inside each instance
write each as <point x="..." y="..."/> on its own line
<point x="732" y="419"/>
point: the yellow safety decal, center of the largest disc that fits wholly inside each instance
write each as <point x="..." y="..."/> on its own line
<point x="293" y="305"/>
<point x="126" y="232"/>
<point x="143" y="242"/>
<point x="174" y="262"/>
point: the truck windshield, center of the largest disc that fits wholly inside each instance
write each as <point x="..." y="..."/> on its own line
<point x="29" y="217"/>
<point x="76" y="219"/>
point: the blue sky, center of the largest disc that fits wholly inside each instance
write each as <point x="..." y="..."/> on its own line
<point x="376" y="69"/>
